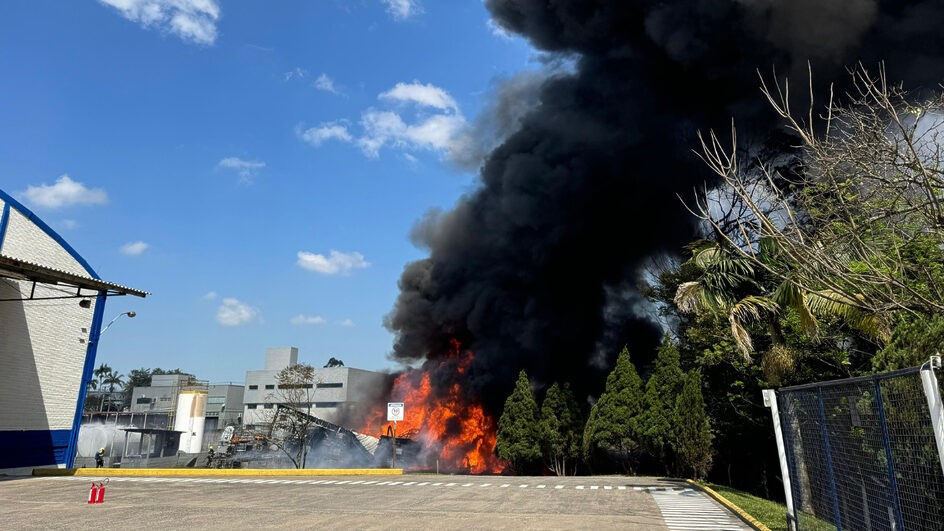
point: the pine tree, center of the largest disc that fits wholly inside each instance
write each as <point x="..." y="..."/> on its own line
<point x="693" y="432"/>
<point x="560" y="429"/>
<point x="662" y="391"/>
<point x="518" y="428"/>
<point x="613" y="427"/>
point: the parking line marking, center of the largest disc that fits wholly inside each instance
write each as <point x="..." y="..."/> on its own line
<point x="540" y="486"/>
<point x="559" y="487"/>
<point x="505" y="485"/>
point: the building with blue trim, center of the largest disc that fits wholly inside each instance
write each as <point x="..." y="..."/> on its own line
<point x="52" y="304"/>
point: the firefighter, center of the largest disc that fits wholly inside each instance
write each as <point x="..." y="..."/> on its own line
<point x="100" y="458"/>
<point x="210" y="456"/>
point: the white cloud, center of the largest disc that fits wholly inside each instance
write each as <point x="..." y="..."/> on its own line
<point x="308" y="320"/>
<point x="235" y="313"/>
<point x="209" y="296"/>
<point x="296" y="73"/>
<point x="403" y="9"/>
<point x="326" y="131"/>
<point x="245" y="169"/>
<point x="334" y="264"/>
<point x="346" y="322"/>
<point x="191" y="20"/>
<point x="416" y="92"/>
<point x="65" y="192"/>
<point x="69" y="224"/>
<point x="437" y="132"/>
<point x="428" y="119"/>
<point x="134" y="248"/>
<point x="325" y="83"/>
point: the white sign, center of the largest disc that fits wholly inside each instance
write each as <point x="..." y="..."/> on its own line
<point x="394" y="411"/>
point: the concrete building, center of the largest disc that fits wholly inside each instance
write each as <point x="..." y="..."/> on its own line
<point x="336" y="394"/>
<point x="224" y="403"/>
<point x="52" y="306"/>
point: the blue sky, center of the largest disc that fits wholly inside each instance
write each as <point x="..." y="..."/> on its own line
<point x="256" y="166"/>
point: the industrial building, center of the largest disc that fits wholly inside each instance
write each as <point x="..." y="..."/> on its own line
<point x="52" y="306"/>
<point x="336" y="394"/>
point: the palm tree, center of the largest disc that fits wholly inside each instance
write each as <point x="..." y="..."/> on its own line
<point x="111" y="380"/>
<point x="728" y="282"/>
<point x="100" y="373"/>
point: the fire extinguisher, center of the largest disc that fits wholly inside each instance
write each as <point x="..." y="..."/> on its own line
<point x="97" y="492"/>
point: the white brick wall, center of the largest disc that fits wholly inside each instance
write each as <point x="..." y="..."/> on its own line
<point x="26" y="241"/>
<point x="43" y="343"/>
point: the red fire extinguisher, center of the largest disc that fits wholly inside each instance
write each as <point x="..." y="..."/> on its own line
<point x="97" y="492"/>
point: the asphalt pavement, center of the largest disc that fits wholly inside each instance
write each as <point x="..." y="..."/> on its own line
<point x="410" y="501"/>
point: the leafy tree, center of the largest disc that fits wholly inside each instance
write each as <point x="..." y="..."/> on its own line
<point x="518" y="427"/>
<point x="334" y="362"/>
<point x="100" y="373"/>
<point x="692" y="432"/>
<point x="613" y="429"/>
<point x="860" y="223"/>
<point x="560" y="429"/>
<point x="662" y="390"/>
<point x="914" y="340"/>
<point x="290" y="422"/>
<point x="112" y="379"/>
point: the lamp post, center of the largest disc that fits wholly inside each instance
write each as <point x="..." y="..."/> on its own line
<point x="130" y="315"/>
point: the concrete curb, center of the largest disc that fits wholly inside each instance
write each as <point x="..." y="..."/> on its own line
<point x="742" y="514"/>
<point x="191" y="472"/>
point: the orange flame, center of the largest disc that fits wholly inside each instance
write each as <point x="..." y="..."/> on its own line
<point x="463" y="433"/>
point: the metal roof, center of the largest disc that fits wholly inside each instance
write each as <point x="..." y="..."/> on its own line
<point x="23" y="270"/>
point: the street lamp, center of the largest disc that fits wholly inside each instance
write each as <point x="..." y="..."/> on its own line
<point x="129" y="314"/>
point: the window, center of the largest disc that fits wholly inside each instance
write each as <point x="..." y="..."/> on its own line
<point x="270" y="386"/>
<point x="296" y="386"/>
<point x="251" y="387"/>
<point x="333" y="385"/>
<point x="144" y="400"/>
<point x="327" y="404"/>
<point x="216" y="400"/>
<point x="268" y="406"/>
<point x="165" y="399"/>
<point x="251" y="406"/>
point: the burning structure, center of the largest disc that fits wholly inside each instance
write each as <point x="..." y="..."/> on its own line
<point x="537" y="268"/>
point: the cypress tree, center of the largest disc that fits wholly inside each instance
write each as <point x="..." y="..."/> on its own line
<point x="560" y="428"/>
<point x="613" y="427"/>
<point x="693" y="432"/>
<point x="518" y="428"/>
<point x="662" y="391"/>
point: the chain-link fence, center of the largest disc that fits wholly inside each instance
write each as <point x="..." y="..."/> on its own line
<point x="862" y="453"/>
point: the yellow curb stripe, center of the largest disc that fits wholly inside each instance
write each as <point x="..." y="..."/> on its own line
<point x="191" y="472"/>
<point x="727" y="503"/>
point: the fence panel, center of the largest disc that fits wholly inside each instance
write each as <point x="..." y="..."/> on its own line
<point x="862" y="455"/>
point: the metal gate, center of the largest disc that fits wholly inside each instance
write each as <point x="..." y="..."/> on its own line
<point x="863" y="453"/>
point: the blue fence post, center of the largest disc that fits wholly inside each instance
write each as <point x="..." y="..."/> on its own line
<point x="892" y="480"/>
<point x="837" y="517"/>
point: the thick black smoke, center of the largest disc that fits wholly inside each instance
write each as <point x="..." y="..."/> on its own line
<point x="535" y="269"/>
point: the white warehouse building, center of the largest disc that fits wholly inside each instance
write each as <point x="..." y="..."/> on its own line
<point x="52" y="304"/>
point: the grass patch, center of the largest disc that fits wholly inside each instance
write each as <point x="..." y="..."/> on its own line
<point x="769" y="513"/>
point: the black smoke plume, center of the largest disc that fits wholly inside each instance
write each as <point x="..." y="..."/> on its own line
<point x="536" y="268"/>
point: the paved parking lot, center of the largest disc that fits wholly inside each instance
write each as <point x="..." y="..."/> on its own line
<point x="360" y="502"/>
